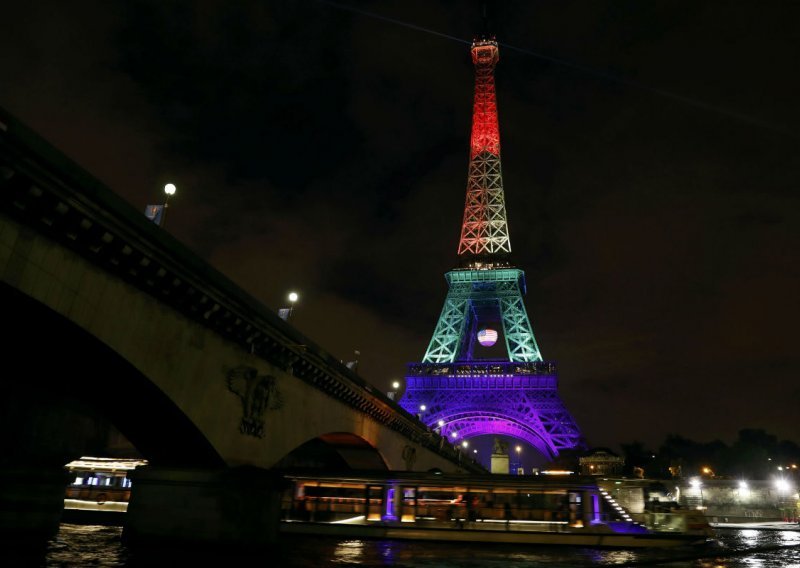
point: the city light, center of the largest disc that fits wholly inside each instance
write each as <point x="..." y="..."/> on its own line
<point x="423" y="408"/>
<point x="454" y="434"/>
<point x="744" y="490"/>
<point x="395" y="385"/>
<point x="169" y="190"/>
<point x="440" y="423"/>
<point x="285" y="313"/>
<point x="465" y="444"/>
<point x="782" y="485"/>
<point x="695" y="482"/>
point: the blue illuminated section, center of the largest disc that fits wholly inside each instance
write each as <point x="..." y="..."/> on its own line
<point x="390" y="515"/>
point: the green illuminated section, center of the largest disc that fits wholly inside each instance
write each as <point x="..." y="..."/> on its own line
<point x="472" y="295"/>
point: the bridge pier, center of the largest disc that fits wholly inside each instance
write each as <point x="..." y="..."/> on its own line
<point x="31" y="502"/>
<point x="239" y="506"/>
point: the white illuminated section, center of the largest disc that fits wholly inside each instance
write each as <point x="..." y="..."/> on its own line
<point x="104" y="464"/>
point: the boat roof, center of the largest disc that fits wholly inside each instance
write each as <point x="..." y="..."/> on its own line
<point x="488" y="481"/>
<point x="87" y="463"/>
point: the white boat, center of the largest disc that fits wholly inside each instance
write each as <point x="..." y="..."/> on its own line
<point x="99" y="490"/>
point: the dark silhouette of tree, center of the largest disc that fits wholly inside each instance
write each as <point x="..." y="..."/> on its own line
<point x="637" y="456"/>
<point x="755" y="454"/>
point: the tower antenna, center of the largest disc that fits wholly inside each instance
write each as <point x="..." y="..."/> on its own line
<point x="485" y="10"/>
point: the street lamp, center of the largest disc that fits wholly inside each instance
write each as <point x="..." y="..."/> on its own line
<point x="285" y="313"/>
<point x="698" y="487"/>
<point x="395" y="387"/>
<point x="169" y="191"/>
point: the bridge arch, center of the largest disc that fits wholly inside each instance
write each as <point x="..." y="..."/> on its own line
<point x="335" y="451"/>
<point x="69" y="390"/>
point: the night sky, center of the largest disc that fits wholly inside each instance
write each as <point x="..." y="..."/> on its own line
<point x="651" y="162"/>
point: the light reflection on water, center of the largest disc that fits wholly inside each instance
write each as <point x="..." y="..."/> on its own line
<point x="78" y="545"/>
<point x="349" y="551"/>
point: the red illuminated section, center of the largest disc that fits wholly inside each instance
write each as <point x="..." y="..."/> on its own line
<point x="484" y="233"/>
<point x="485" y="132"/>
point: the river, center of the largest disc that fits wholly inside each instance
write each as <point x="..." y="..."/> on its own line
<point x="101" y="546"/>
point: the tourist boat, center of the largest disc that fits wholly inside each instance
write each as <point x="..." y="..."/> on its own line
<point x="563" y="510"/>
<point x="99" y="490"/>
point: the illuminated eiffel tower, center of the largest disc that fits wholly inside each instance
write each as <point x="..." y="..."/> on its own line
<point x="467" y="384"/>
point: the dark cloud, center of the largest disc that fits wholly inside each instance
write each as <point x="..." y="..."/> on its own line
<point x="650" y="155"/>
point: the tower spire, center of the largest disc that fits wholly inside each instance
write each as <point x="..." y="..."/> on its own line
<point x="484" y="232"/>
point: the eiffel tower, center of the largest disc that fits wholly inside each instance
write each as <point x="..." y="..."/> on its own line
<point x="467" y="384"/>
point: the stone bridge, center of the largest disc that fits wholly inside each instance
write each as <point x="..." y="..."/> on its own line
<point x="111" y="324"/>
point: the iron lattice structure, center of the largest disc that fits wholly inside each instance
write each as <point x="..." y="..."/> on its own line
<point x="457" y="390"/>
<point x="484" y="230"/>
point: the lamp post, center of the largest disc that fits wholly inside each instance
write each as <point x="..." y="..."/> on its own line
<point x="293" y="297"/>
<point x="519" y="463"/>
<point x="169" y="191"/>
<point x="395" y="387"/>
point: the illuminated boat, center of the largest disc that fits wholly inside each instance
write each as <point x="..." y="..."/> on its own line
<point x="564" y="510"/>
<point x="99" y="489"/>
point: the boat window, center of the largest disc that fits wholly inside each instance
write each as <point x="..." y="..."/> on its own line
<point x="326" y="502"/>
<point x="408" y="514"/>
<point x="375" y="503"/>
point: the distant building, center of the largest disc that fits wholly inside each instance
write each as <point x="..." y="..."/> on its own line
<point x="601" y="461"/>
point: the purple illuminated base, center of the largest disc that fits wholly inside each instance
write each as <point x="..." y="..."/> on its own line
<point x="512" y="399"/>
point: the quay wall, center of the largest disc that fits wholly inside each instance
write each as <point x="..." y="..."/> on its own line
<point x="722" y="500"/>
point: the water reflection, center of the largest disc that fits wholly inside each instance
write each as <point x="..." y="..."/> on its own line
<point x="388" y="552"/>
<point x="790" y="537"/>
<point x="87" y="545"/>
<point x="349" y="552"/>
<point x="749" y="536"/>
<point x="102" y="546"/>
<point x="619" y="556"/>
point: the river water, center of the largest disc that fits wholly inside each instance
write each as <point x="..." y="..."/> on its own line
<point x="101" y="546"/>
